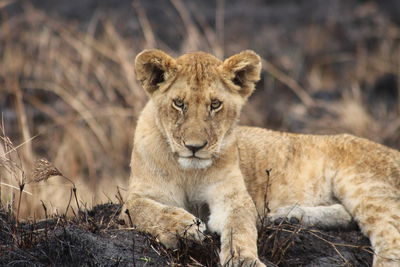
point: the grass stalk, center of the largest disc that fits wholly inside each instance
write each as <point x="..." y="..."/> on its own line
<point x="21" y="189"/>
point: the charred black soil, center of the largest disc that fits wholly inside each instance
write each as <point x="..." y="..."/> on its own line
<point x="96" y="238"/>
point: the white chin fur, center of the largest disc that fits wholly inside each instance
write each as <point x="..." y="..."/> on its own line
<point x="193" y="163"/>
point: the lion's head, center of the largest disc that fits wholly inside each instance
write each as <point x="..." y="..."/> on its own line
<point x="198" y="99"/>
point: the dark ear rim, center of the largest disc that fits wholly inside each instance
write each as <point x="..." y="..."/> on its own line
<point x="243" y="70"/>
<point x="153" y="67"/>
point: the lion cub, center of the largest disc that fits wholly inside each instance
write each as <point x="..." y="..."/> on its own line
<point x="188" y="152"/>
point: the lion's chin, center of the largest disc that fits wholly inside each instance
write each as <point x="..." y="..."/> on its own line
<point x="194" y="163"/>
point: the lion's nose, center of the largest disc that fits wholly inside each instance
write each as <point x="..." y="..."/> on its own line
<point x="195" y="147"/>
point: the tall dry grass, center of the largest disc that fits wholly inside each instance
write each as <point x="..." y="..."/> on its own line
<point x="70" y="95"/>
<point x="83" y="89"/>
<point x="75" y="101"/>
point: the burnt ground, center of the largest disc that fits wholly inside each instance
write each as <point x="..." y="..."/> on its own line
<point x="95" y="238"/>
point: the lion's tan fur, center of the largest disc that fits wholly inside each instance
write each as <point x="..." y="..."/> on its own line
<point x="325" y="181"/>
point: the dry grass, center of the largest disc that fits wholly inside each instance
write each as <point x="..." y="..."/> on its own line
<point x="71" y="95"/>
<point x="83" y="88"/>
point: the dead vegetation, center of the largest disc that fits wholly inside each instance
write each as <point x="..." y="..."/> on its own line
<point x="68" y="93"/>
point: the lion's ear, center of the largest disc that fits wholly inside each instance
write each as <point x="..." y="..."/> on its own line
<point x="153" y="67"/>
<point x="243" y="70"/>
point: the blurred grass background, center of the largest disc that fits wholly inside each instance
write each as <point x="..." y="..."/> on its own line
<point x="68" y="90"/>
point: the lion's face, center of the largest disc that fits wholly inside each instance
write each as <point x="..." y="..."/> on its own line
<point x="195" y="119"/>
<point x="198" y="99"/>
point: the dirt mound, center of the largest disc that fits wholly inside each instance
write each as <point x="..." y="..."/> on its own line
<point x="91" y="239"/>
<point x="95" y="238"/>
<point x="292" y="245"/>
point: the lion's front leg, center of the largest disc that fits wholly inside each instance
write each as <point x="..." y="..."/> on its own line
<point x="233" y="215"/>
<point x="166" y="223"/>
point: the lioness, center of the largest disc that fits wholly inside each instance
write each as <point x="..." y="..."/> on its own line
<point x="190" y="160"/>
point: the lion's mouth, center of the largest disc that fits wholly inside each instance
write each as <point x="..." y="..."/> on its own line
<point x="194" y="162"/>
<point x="193" y="157"/>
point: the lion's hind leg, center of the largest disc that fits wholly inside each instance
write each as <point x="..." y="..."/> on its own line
<point x="373" y="200"/>
<point x="325" y="217"/>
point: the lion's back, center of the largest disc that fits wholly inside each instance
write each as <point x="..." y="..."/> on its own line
<point x="305" y="161"/>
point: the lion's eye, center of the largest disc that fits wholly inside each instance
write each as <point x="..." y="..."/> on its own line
<point x="215" y="104"/>
<point x="178" y="104"/>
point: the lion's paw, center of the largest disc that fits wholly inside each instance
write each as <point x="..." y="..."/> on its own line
<point x="244" y="262"/>
<point x="294" y="214"/>
<point x="192" y="230"/>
